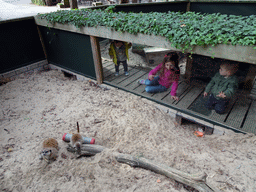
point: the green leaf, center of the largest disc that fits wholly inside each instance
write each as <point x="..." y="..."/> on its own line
<point x="184" y="30"/>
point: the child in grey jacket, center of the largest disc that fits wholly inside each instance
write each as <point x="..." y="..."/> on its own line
<point x="222" y="87"/>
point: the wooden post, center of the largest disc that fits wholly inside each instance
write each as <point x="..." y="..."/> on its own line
<point x="73" y="4"/>
<point x="188" y="6"/>
<point x="188" y="71"/>
<point x="250" y="77"/>
<point x="97" y="59"/>
<point x="42" y="43"/>
<point x="178" y="120"/>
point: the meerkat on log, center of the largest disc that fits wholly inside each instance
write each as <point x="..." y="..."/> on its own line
<point x="77" y="140"/>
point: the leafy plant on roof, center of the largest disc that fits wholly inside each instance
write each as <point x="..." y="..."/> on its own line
<point x="183" y="30"/>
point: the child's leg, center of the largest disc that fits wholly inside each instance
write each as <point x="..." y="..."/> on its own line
<point x="221" y="106"/>
<point x="117" y="66"/>
<point x="155" y="89"/>
<point x="154" y="82"/>
<point x="153" y="86"/>
<point x="125" y="66"/>
<point x="211" y="102"/>
<point x="148" y="82"/>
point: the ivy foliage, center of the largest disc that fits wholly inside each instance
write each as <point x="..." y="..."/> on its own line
<point x="183" y="30"/>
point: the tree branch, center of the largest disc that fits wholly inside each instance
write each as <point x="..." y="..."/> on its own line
<point x="197" y="181"/>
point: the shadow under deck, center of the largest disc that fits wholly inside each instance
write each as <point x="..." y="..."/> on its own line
<point x="240" y="116"/>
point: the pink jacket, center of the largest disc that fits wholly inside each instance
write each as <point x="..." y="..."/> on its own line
<point x="165" y="80"/>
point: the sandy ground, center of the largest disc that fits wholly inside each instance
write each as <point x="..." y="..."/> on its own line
<point x="46" y="104"/>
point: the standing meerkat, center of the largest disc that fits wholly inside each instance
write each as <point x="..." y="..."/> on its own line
<point x="50" y="150"/>
<point x="77" y="140"/>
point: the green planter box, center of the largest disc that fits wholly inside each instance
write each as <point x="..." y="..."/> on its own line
<point x="236" y="53"/>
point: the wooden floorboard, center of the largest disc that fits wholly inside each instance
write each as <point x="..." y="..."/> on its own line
<point x="250" y="120"/>
<point x="238" y="112"/>
<point x="187" y="89"/>
<point x="123" y="77"/>
<point x="182" y="89"/>
<point x="237" y="115"/>
<point x="141" y="91"/>
<point x="108" y="70"/>
<point x="162" y="95"/>
<point x="189" y="98"/>
<point x="222" y="117"/>
<point x="134" y="84"/>
<point x="132" y="78"/>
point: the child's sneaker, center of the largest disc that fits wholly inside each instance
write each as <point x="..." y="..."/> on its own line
<point x="116" y="74"/>
<point x="126" y="73"/>
<point x="141" y="81"/>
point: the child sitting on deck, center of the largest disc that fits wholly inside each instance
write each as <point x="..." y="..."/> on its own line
<point x="222" y="87"/>
<point x="169" y="76"/>
<point x="118" y="51"/>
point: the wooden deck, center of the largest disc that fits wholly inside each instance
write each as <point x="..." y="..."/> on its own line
<point x="240" y="116"/>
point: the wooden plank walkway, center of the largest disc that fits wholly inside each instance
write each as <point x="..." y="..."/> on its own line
<point x="240" y="116"/>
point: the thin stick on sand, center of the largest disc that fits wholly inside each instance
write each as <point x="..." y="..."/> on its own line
<point x="77" y="127"/>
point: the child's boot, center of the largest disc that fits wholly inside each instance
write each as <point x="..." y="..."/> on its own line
<point x="141" y="81"/>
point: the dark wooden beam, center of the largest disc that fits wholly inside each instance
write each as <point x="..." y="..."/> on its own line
<point x="97" y="59"/>
<point x="250" y="77"/>
<point x="188" y="71"/>
<point x="188" y="6"/>
<point x="42" y="43"/>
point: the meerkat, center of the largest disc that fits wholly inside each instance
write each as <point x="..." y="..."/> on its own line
<point x="77" y="140"/>
<point x="50" y="150"/>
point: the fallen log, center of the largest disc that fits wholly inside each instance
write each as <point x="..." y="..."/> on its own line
<point x="87" y="149"/>
<point x="197" y="181"/>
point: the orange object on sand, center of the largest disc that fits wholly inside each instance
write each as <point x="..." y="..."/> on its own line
<point x="198" y="134"/>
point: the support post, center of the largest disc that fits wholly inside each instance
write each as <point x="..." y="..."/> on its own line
<point x="188" y="71"/>
<point x="42" y="43"/>
<point x="250" y="77"/>
<point x="188" y="6"/>
<point x="73" y="4"/>
<point x="178" y="120"/>
<point x="97" y="59"/>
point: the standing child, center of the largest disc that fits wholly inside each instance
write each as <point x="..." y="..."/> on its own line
<point x="118" y="51"/>
<point x="222" y="87"/>
<point x="169" y="76"/>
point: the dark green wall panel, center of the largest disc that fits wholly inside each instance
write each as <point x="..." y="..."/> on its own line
<point x="69" y="50"/>
<point x="244" y="9"/>
<point x="19" y="44"/>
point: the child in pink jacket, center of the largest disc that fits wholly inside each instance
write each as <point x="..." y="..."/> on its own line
<point x="169" y="76"/>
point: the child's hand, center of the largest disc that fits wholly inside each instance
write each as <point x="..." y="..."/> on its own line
<point x="151" y="77"/>
<point x="205" y="94"/>
<point x="221" y="94"/>
<point x="175" y="98"/>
